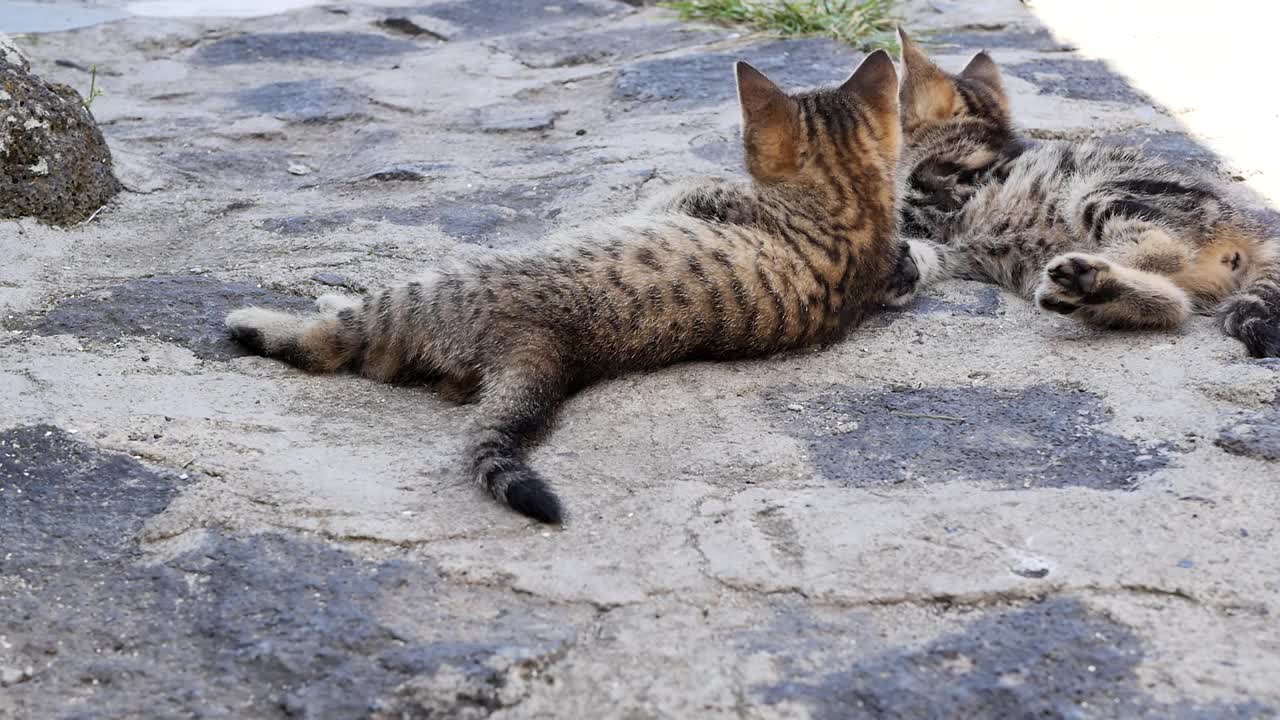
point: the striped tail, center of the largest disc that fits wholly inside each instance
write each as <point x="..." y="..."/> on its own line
<point x="517" y="404"/>
<point x="1252" y="315"/>
<point x="513" y="483"/>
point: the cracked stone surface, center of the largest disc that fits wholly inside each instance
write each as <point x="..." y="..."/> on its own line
<point x="966" y="504"/>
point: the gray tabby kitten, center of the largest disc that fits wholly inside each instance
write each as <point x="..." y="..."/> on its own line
<point x="1104" y="234"/>
<point x="719" y="271"/>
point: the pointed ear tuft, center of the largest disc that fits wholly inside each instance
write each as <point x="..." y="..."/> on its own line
<point x="755" y="91"/>
<point x="984" y="70"/>
<point x="769" y="126"/>
<point x="875" y="82"/>
<point x="927" y="93"/>
<point x="912" y="55"/>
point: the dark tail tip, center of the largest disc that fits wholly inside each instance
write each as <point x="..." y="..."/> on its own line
<point x="530" y="496"/>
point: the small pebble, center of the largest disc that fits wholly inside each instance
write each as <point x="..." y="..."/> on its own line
<point x="328" y="278"/>
<point x="300" y="169"/>
<point x="795" y="407"/>
<point x="146" y="358"/>
<point x="580" y="132"/>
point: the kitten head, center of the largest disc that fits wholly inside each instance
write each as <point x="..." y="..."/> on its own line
<point x="931" y="97"/>
<point x="1229" y="261"/>
<point x="837" y="135"/>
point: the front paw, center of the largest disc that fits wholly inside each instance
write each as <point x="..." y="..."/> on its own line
<point x="1071" y="281"/>
<point x="904" y="280"/>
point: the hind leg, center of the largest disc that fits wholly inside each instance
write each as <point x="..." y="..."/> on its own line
<point x="1103" y="293"/>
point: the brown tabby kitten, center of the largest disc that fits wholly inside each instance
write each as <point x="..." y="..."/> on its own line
<point x="1101" y="233"/>
<point x="721" y="271"/>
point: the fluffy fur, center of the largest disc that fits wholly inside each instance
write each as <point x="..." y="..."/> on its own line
<point x="715" y="271"/>
<point x="1104" y="234"/>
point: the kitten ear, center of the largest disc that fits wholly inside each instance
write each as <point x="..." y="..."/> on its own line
<point x="875" y="83"/>
<point x="769" y="125"/>
<point x="757" y="94"/>
<point x="983" y="69"/>
<point x="927" y="94"/>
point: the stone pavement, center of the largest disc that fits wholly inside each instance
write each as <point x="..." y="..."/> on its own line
<point x="968" y="508"/>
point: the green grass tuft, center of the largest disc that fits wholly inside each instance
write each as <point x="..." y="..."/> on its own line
<point x="864" y="24"/>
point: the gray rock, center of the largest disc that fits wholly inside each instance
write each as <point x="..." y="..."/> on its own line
<point x="707" y="78"/>
<point x="302" y="101"/>
<point x="12" y="676"/>
<point x="308" y="224"/>
<point x="1046" y="660"/>
<point x="411" y="27"/>
<point x="507" y="216"/>
<point x="1257" y="436"/>
<point x="186" y="310"/>
<point x="485" y="18"/>
<point x="233" y="167"/>
<point x="345" y="47"/>
<point x="331" y="279"/>
<point x="54" y="163"/>
<point x="1038" y="39"/>
<point x="727" y="153"/>
<point x="550" y="49"/>
<point x="1037" y="437"/>
<point x="1078" y="79"/>
<point x="11" y="54"/>
<point x="515" y="118"/>
<point x="261" y="626"/>
<point x="408" y="172"/>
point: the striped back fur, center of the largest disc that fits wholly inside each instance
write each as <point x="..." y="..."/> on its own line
<point x="712" y="271"/>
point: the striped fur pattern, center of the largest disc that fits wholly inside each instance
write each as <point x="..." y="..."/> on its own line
<point x="714" y="271"/>
<point x="1104" y="234"/>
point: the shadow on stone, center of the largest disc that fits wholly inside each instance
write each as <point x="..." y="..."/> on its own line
<point x="267" y="626"/>
<point x="1054" y="659"/>
<point x="1077" y="79"/>
<point x="968" y="299"/>
<point x="1173" y="147"/>
<point x="1038" y="437"/>
<point x="186" y="310"/>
